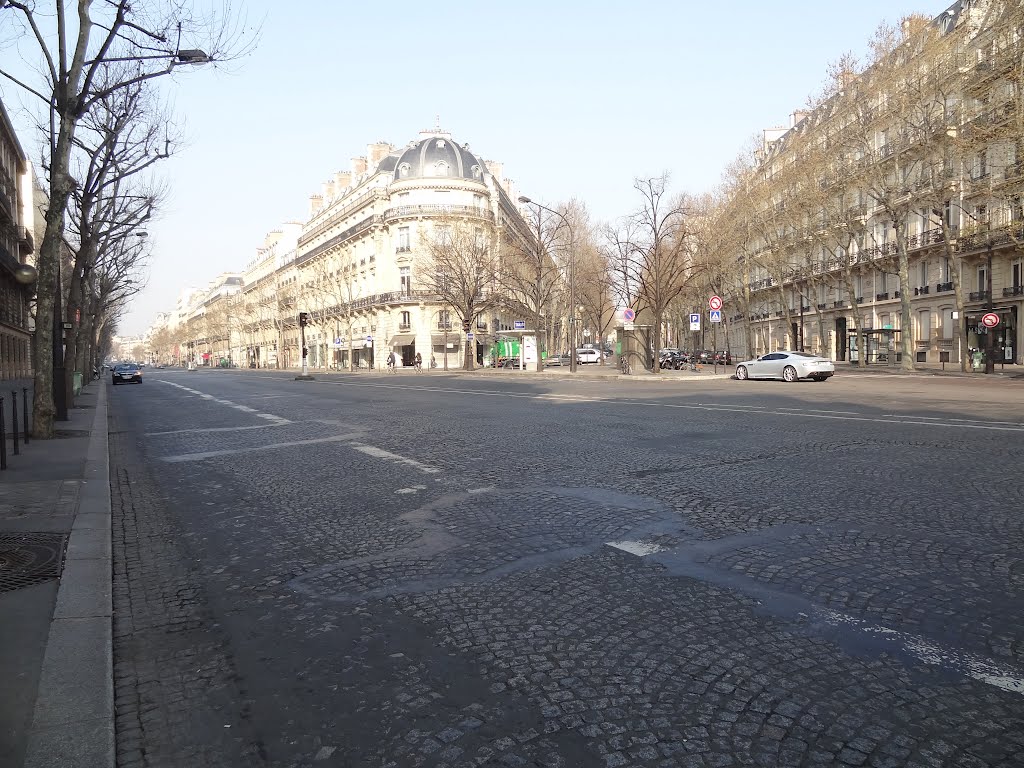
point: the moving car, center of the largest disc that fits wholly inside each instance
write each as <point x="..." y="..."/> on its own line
<point x="789" y="366"/>
<point x="584" y="356"/>
<point x="125" y="372"/>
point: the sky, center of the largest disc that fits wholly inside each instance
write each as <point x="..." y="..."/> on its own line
<point x="575" y="99"/>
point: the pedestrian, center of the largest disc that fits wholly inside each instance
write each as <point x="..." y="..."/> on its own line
<point x="419" y="361"/>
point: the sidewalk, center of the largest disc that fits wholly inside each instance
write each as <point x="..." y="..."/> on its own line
<point x="55" y="609"/>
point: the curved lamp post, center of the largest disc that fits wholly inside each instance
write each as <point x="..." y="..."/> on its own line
<point x="572" y="277"/>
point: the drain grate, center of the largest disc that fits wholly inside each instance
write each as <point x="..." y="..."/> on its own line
<point x="27" y="559"/>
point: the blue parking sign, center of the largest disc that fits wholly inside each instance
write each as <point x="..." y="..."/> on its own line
<point x="695" y="321"/>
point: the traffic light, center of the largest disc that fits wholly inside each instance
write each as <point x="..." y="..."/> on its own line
<point x="303" y="318"/>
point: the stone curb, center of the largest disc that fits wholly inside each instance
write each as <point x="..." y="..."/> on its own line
<point x="489" y="373"/>
<point x="73" y="722"/>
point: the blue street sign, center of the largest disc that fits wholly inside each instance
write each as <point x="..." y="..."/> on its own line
<point x="716" y="315"/>
<point x="518" y="325"/>
<point x="695" y="321"/>
<point x="369" y="339"/>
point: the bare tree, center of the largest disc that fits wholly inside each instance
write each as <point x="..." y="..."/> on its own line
<point x="77" y="50"/>
<point x="533" y="267"/>
<point x="463" y="272"/>
<point x="653" y="256"/>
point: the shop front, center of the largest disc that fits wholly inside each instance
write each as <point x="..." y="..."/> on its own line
<point x="1005" y="349"/>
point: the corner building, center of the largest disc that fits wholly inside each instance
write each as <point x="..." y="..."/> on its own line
<point x="361" y="264"/>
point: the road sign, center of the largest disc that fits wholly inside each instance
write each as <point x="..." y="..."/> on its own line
<point x="629" y="315"/>
<point x="469" y="336"/>
<point x="338" y="340"/>
<point x="716" y="315"/>
<point x="715" y="303"/>
<point x="990" y="319"/>
<point x="694" y="321"/>
<point x="518" y="325"/>
<point x="369" y="339"/>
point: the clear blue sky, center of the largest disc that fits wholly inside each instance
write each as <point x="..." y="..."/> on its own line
<point x="575" y="99"/>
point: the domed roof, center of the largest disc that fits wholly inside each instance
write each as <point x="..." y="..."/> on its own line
<point x="436" y="155"/>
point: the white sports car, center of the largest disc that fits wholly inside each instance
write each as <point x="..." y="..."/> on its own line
<point x="789" y="366"/>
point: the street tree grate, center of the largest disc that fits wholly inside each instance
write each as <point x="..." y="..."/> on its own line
<point x="27" y="559"/>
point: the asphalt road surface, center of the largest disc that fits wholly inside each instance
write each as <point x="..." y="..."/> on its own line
<point x="438" y="570"/>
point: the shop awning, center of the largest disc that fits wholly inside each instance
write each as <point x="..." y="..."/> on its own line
<point x="402" y="339"/>
<point x="453" y="338"/>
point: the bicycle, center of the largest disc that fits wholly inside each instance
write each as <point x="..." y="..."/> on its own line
<point x="392" y="368"/>
<point x="418" y="366"/>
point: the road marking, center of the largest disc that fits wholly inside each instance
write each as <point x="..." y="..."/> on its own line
<point x="380" y="453"/>
<point x="976" y="667"/>
<point x="638" y="548"/>
<point x="277" y="423"/>
<point x="413" y="489"/>
<point x="253" y="449"/>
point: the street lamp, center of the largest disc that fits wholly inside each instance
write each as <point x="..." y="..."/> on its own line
<point x="572" y="276"/>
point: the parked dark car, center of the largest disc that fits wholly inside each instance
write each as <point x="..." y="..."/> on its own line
<point x="126" y="372"/>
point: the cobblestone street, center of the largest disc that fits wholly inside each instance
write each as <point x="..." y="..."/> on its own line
<point x="458" y="571"/>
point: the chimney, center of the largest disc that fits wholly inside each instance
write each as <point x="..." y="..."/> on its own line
<point x="495" y="169"/>
<point x="796" y="117"/>
<point x="316" y="202"/>
<point x="358" y="165"/>
<point x="327" y="189"/>
<point x="377" y="152"/>
<point x="342" y="180"/>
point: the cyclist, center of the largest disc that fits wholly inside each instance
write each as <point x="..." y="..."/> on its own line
<point x="419" y="362"/>
<point x="391" y="362"/>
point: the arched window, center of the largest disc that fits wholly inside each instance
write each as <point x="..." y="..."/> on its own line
<point x="403" y="170"/>
<point x="441" y="168"/>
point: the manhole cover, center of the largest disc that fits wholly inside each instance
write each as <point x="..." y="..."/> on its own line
<point x="27" y="559"/>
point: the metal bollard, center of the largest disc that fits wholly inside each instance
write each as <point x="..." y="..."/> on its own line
<point x="14" y="419"/>
<point x="24" y="410"/>
<point x="3" y="438"/>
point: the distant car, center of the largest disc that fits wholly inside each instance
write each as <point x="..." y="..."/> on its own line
<point x="126" y="372"/>
<point x="557" y="360"/>
<point x="585" y="356"/>
<point x="789" y="366"/>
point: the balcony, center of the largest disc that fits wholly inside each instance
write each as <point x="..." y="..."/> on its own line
<point x="1017" y="290"/>
<point x="896" y="294"/>
<point x="860" y="299"/>
<point x="403" y="327"/>
<point x="821" y="306"/>
<point x="942" y="287"/>
<point x="24" y="237"/>
<point x="419" y="211"/>
<point x="881" y="296"/>
<point x="978" y="296"/>
<point x="779" y="313"/>
<point x="921" y="290"/>
<point x="403" y="249"/>
<point x="838" y="304"/>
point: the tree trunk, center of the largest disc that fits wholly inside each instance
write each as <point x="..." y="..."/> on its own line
<point x="906" y="330"/>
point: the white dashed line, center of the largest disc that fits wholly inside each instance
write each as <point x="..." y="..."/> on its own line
<point x="380" y="453"/>
<point x="976" y="667"/>
<point x="638" y="548"/>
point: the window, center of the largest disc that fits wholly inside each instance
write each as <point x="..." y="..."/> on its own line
<point x="924" y="321"/>
<point x="441" y="168"/>
<point x="1017" y="275"/>
<point x="982" y="279"/>
<point x="947" y="322"/>
<point x="403" y="239"/>
<point x="405" y="275"/>
<point x="945" y="270"/>
<point x="405" y="322"/>
<point x="403" y="170"/>
<point x="444" y="320"/>
<point x="923" y="273"/>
